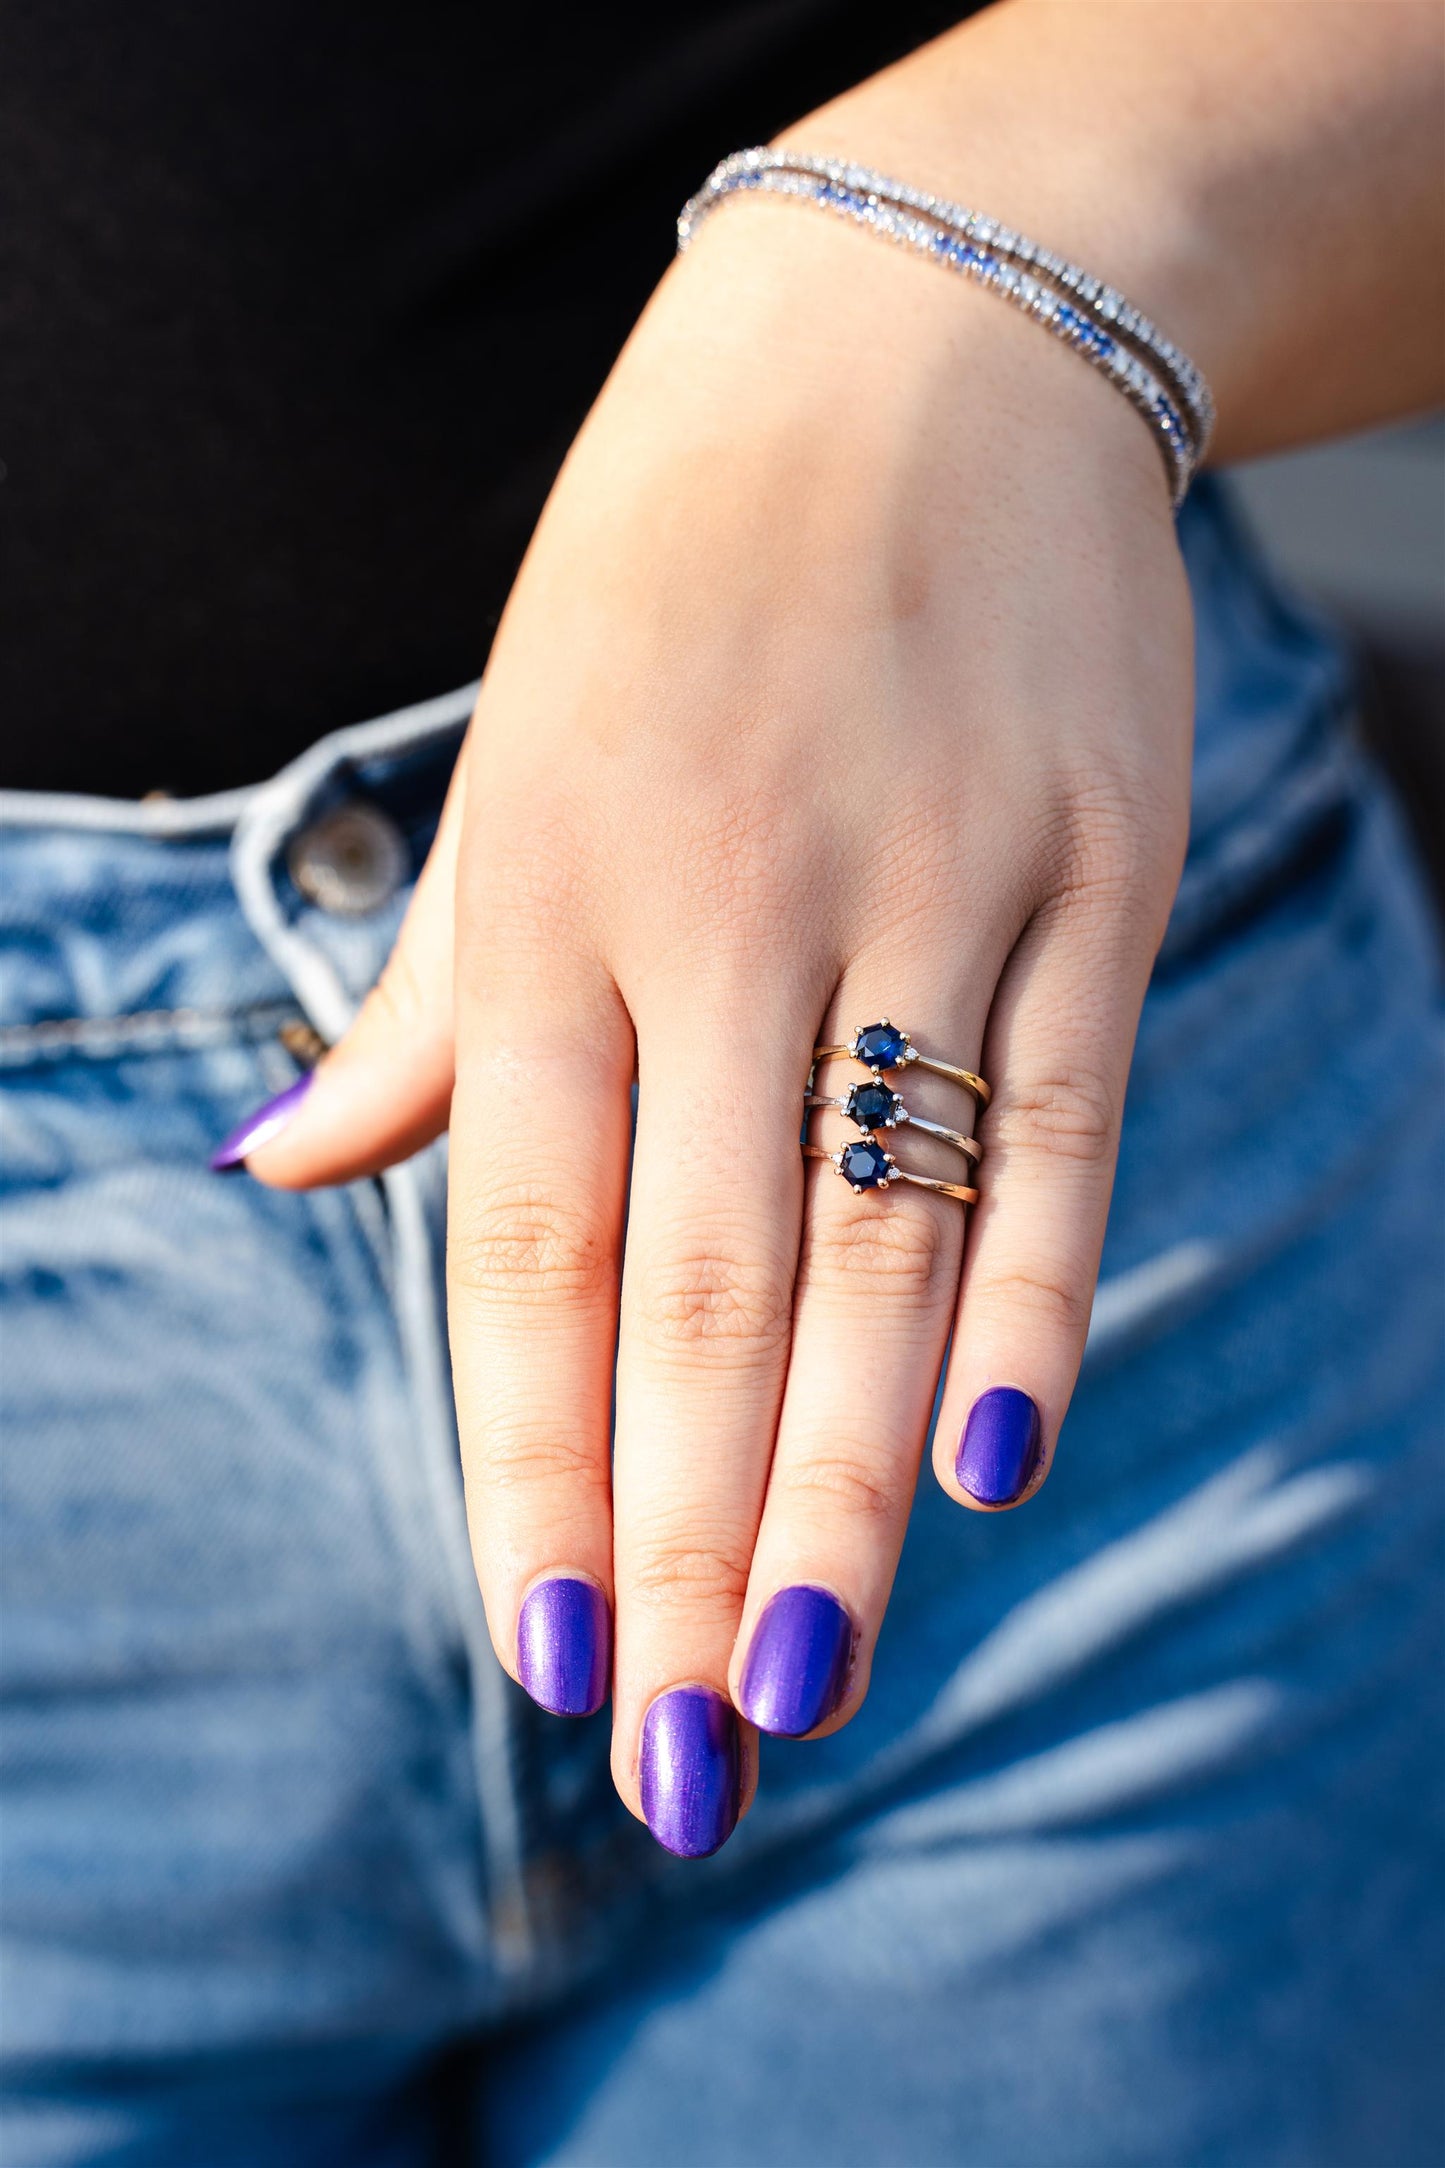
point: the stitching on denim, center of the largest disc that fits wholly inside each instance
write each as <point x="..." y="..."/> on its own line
<point x="101" y="1038"/>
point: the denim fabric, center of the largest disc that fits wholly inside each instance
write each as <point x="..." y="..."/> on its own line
<point x="1134" y="1854"/>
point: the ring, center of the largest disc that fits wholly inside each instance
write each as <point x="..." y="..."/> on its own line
<point x="867" y="1166"/>
<point x="875" y="1106"/>
<point x="883" y="1046"/>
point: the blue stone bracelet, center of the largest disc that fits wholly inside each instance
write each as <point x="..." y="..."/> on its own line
<point x="1157" y="379"/>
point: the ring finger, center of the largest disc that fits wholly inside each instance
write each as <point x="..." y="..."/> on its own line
<point x="877" y="1284"/>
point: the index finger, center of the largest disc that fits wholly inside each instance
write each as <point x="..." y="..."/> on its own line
<point x="540" y="1135"/>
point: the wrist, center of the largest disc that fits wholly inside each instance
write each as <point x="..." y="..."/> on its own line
<point x="971" y="338"/>
<point x="1262" y="180"/>
<point x="995" y="117"/>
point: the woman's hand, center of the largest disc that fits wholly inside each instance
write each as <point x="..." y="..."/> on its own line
<point x="848" y="676"/>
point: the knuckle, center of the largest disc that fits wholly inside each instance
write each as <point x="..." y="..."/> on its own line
<point x="517" y="1456"/>
<point x="1069" y="1113"/>
<point x="725" y="1302"/>
<point x="526" y="1244"/>
<point x="895" y="1251"/>
<point x="1059" y="1305"/>
<point x="846" y="1481"/>
<point x="1118" y="855"/>
<point x="705" y="1579"/>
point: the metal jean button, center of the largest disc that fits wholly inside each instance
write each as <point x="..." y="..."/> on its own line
<point x="349" y="861"/>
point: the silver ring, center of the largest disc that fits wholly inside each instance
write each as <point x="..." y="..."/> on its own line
<point x="873" y="1106"/>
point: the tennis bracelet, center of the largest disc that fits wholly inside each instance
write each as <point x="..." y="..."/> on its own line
<point x="1150" y="371"/>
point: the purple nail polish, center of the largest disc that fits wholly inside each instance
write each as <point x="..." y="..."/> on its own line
<point x="797" y="1662"/>
<point x="689" y="1767"/>
<point x="260" y="1127"/>
<point x="564" y="1638"/>
<point x="999" y="1449"/>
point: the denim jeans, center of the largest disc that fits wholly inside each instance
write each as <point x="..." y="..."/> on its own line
<point x="1134" y="1854"/>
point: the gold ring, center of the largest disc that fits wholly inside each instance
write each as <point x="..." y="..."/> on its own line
<point x="883" y="1046"/>
<point x="865" y="1165"/>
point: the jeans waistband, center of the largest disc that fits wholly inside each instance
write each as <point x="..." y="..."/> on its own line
<point x="326" y="961"/>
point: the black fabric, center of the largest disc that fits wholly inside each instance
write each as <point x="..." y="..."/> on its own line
<point x="300" y="304"/>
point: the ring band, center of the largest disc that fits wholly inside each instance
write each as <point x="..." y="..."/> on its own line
<point x="969" y="1146"/>
<point x="867" y="1166"/>
<point x="883" y="1046"/>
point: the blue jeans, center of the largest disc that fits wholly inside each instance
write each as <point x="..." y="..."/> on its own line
<point x="1134" y="1854"/>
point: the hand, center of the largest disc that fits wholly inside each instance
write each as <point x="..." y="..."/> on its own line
<point x="848" y="676"/>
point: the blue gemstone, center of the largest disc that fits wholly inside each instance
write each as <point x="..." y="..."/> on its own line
<point x="871" y="1106"/>
<point x="865" y="1165"/>
<point x="881" y="1046"/>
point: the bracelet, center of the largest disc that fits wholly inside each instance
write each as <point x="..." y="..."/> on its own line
<point x="1093" y="318"/>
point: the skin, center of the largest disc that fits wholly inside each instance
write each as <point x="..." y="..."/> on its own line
<point x="849" y="674"/>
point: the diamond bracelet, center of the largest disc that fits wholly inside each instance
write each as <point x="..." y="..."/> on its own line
<point x="1157" y="379"/>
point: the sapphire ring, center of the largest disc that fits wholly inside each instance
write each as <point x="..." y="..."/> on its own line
<point x="866" y="1165"/>
<point x="875" y="1105"/>
<point x="883" y="1046"/>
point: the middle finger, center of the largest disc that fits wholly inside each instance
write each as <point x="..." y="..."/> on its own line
<point x="712" y="1247"/>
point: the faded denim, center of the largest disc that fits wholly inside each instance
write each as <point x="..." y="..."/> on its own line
<point x="1133" y="1858"/>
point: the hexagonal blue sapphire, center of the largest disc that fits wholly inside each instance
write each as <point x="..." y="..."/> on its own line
<point x="871" y="1106"/>
<point x="882" y="1046"/>
<point x="865" y="1165"/>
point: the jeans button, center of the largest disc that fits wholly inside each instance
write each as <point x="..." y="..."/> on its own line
<point x="349" y="861"/>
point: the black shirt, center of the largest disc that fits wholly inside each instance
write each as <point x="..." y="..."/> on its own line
<point x="300" y="305"/>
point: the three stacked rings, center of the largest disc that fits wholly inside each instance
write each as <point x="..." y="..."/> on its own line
<point x="874" y="1105"/>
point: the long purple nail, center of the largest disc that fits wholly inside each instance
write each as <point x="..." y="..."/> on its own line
<point x="690" y="1770"/>
<point x="999" y="1449"/>
<point x="797" y="1662"/>
<point x="563" y="1645"/>
<point x="260" y="1127"/>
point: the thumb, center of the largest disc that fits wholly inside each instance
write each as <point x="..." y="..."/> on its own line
<point x="385" y="1089"/>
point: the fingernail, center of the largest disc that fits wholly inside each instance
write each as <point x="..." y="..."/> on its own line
<point x="259" y="1128"/>
<point x="797" y="1662"/>
<point x="999" y="1449"/>
<point x="563" y="1645"/>
<point x="690" y="1770"/>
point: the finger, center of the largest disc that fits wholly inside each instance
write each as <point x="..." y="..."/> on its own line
<point x="384" y="1090"/>
<point x="535" y="1210"/>
<point x="877" y="1284"/>
<point x="711" y="1252"/>
<point x="1060" y="1036"/>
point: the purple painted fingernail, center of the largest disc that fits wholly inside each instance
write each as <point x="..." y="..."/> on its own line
<point x="797" y="1662"/>
<point x="260" y="1127"/>
<point x="999" y="1449"/>
<point x="564" y="1634"/>
<point x="690" y="1770"/>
